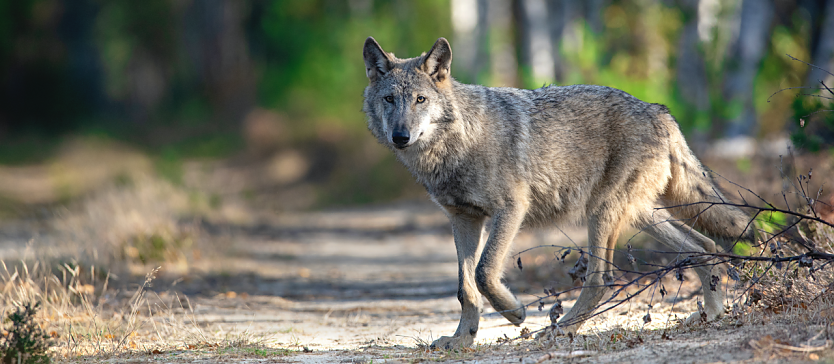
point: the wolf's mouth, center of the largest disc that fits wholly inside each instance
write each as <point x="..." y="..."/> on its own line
<point x="404" y="146"/>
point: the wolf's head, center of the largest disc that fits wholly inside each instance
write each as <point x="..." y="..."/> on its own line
<point x="407" y="99"/>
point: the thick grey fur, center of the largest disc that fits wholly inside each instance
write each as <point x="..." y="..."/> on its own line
<point x="554" y="155"/>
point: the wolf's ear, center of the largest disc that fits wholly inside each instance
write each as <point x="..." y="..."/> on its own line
<point x="438" y="62"/>
<point x="377" y="62"/>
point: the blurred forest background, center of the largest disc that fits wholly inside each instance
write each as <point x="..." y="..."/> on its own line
<point x="273" y="89"/>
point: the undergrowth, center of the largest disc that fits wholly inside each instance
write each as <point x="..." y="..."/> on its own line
<point x="22" y="340"/>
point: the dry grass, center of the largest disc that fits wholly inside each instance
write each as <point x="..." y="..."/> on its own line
<point x="86" y="272"/>
<point x="94" y="320"/>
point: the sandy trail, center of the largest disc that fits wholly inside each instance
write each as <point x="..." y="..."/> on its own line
<point x="373" y="284"/>
<point x="342" y="280"/>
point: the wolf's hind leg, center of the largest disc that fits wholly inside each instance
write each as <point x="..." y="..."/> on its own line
<point x="506" y="224"/>
<point x="467" y="230"/>
<point x="682" y="238"/>
<point x="603" y="231"/>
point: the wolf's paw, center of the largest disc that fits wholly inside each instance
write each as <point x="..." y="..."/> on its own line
<point x="516" y="316"/>
<point x="511" y="308"/>
<point x="453" y="342"/>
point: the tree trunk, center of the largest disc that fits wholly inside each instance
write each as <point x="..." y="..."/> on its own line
<point x="217" y="46"/>
<point x="691" y="71"/>
<point x="470" y="24"/>
<point x="537" y="45"/>
<point x="823" y="56"/>
<point x="504" y="66"/>
<point x="743" y="65"/>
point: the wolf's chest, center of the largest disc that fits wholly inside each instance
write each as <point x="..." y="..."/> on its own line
<point x="460" y="194"/>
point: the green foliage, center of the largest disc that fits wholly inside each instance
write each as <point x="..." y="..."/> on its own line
<point x="26" y="150"/>
<point x="207" y="146"/>
<point x="169" y="161"/>
<point x="808" y="142"/>
<point x="384" y="180"/>
<point x="158" y="247"/>
<point x="743" y="249"/>
<point x="169" y="166"/>
<point x="23" y="340"/>
<point x="744" y="165"/>
<point x="772" y="222"/>
<point x="315" y="74"/>
<point x="617" y="57"/>
<point x="812" y="123"/>
<point x="126" y="29"/>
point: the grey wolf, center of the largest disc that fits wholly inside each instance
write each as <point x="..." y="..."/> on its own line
<point x="553" y="155"/>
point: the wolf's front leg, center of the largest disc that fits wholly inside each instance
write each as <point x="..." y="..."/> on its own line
<point x="506" y="224"/>
<point x="467" y="230"/>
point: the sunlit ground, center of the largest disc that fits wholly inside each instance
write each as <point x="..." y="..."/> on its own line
<point x="128" y="263"/>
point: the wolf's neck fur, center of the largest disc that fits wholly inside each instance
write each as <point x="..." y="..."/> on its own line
<point x="436" y="162"/>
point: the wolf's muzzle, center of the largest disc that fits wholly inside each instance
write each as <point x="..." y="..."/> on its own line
<point x="401" y="138"/>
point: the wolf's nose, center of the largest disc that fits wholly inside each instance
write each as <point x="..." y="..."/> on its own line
<point x="400" y="138"/>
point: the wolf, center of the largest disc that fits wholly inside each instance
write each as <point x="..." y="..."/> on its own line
<point x="517" y="158"/>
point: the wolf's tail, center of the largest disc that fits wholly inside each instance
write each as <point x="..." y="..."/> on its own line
<point x="692" y="189"/>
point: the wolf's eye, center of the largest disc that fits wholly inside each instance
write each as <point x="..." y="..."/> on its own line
<point x="389" y="98"/>
<point x="421" y="99"/>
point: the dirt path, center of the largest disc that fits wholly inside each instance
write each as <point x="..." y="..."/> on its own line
<point x="346" y="280"/>
<point x="374" y="284"/>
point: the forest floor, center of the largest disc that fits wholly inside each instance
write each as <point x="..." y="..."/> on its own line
<point x="376" y="283"/>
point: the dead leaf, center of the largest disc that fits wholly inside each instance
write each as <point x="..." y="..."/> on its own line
<point x="733" y="273"/>
<point x="580" y="268"/>
<point x="634" y="342"/>
<point x="556" y="311"/>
